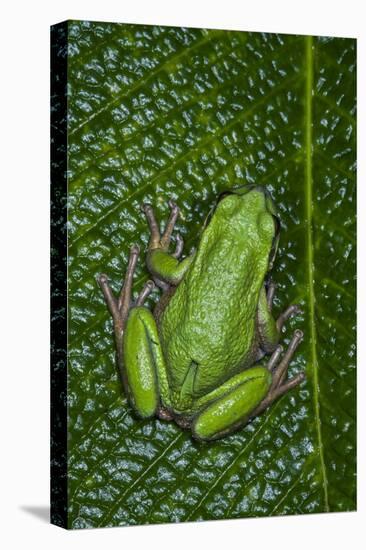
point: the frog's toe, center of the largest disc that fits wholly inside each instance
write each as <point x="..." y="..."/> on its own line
<point x="145" y="292"/>
<point x="102" y="279"/>
<point x="291" y="311"/>
<point x="168" y="230"/>
<point x="157" y="240"/>
<point x="289" y="385"/>
<point x="275" y="357"/>
<point x="178" y="247"/>
<point x="281" y="370"/>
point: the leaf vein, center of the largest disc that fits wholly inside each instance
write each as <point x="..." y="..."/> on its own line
<point x="177" y="55"/>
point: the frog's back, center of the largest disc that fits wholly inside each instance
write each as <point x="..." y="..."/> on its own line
<point x="210" y="321"/>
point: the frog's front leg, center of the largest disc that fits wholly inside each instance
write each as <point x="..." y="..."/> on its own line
<point x="246" y="395"/>
<point x="165" y="268"/>
<point x="139" y="354"/>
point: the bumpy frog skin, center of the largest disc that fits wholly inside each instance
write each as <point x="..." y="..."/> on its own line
<point x="194" y="359"/>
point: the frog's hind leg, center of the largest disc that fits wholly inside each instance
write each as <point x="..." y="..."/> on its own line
<point x="120" y="307"/>
<point x="144" y="365"/>
<point x="278" y="368"/>
<point x="245" y="395"/>
<point x="229" y="407"/>
<point x="285" y="315"/>
<point x="165" y="267"/>
<point x="139" y="355"/>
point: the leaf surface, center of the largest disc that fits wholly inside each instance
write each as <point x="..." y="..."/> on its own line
<point x="159" y="112"/>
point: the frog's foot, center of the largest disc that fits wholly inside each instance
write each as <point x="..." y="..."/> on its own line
<point x="162" y="241"/>
<point x="278" y="368"/>
<point x="119" y="307"/>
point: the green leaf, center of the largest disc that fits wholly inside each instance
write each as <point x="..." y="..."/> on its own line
<point x="158" y="112"/>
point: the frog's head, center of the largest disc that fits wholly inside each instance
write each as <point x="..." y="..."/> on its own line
<point x="253" y="202"/>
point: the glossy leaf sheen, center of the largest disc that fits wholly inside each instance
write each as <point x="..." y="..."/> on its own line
<point x="157" y="112"/>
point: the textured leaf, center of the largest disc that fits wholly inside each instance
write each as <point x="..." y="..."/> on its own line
<point x="158" y="112"/>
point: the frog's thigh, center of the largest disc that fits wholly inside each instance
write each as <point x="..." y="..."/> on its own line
<point x="143" y="362"/>
<point x="233" y="409"/>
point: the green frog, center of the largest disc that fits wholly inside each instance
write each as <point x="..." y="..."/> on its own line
<point x="195" y="359"/>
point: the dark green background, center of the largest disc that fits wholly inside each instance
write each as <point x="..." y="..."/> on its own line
<point x="158" y="112"/>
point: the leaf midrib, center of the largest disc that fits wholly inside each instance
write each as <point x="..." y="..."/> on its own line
<point x="309" y="216"/>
